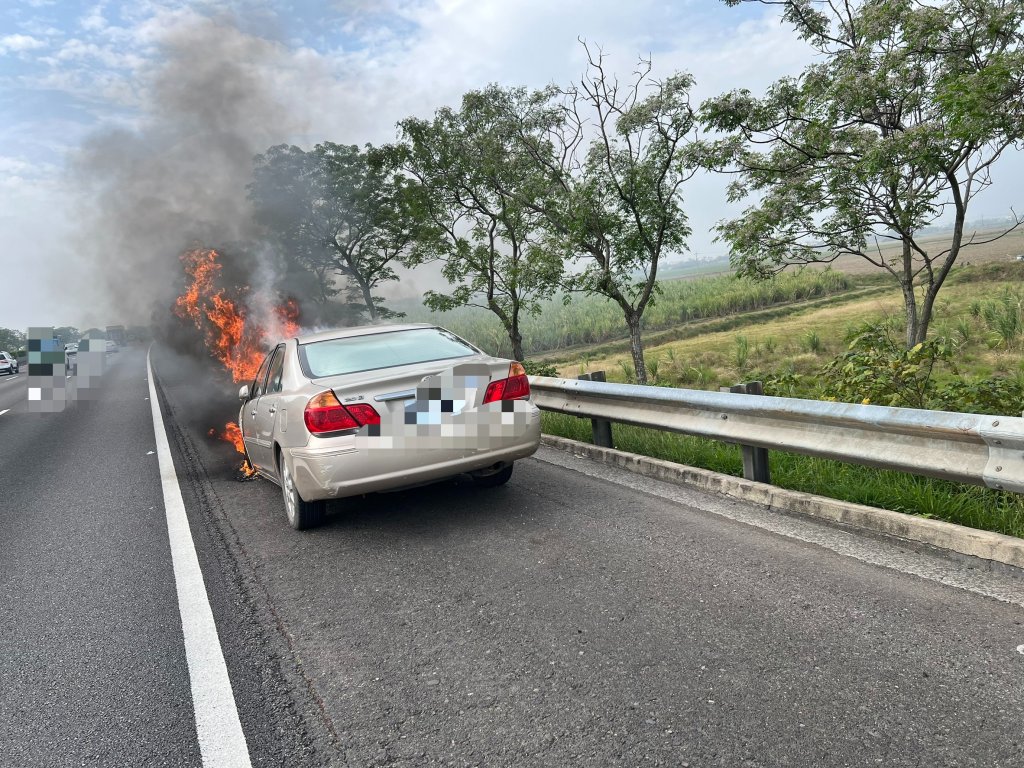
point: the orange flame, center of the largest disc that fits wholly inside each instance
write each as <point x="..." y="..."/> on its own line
<point x="232" y="336"/>
<point x="288" y="317"/>
<point x="233" y="434"/>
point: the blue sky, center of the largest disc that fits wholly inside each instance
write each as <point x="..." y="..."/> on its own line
<point x="81" y="78"/>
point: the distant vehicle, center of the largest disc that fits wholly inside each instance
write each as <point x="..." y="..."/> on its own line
<point x="1019" y="257"/>
<point x="71" y="355"/>
<point x="116" y="333"/>
<point x="378" y="408"/>
<point x="111" y="346"/>
<point x="8" y="364"/>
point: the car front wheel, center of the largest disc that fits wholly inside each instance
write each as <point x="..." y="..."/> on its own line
<point x="302" y="515"/>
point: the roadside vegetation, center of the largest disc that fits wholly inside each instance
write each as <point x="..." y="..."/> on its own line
<point x="569" y="320"/>
<point x="852" y="350"/>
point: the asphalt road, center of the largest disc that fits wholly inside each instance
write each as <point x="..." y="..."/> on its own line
<point x="13" y="390"/>
<point x="577" y="616"/>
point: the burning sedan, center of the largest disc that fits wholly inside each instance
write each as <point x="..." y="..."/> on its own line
<point x="376" y="408"/>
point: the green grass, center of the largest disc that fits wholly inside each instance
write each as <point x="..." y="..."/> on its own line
<point x="958" y="503"/>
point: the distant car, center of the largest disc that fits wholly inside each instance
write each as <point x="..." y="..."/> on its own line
<point x="8" y="364"/>
<point x="71" y="355"/>
<point x="111" y="346"/>
<point x="378" y="408"/>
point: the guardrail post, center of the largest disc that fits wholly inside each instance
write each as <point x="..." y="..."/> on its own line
<point x="755" y="460"/>
<point x="601" y="429"/>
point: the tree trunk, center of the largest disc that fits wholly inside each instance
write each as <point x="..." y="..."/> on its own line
<point x="515" y="334"/>
<point x="636" y="346"/>
<point x="371" y="310"/>
<point x="924" y="317"/>
<point x="517" y="344"/>
<point x="910" y="307"/>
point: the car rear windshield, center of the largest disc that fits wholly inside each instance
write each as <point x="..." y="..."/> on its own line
<point x="380" y="350"/>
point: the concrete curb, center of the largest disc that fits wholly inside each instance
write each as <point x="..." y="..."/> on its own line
<point x="986" y="545"/>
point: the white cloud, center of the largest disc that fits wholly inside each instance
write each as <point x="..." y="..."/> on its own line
<point x="16" y="166"/>
<point x="19" y="43"/>
<point x="94" y="21"/>
<point x="107" y="55"/>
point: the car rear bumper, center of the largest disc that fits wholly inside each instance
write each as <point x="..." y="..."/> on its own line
<point x="353" y="465"/>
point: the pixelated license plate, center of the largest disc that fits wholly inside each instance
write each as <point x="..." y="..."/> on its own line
<point x="441" y="397"/>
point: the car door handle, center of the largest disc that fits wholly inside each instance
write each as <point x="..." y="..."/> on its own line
<point x="253" y="412"/>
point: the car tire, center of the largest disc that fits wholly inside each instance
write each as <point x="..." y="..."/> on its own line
<point x="302" y="515"/>
<point x="494" y="479"/>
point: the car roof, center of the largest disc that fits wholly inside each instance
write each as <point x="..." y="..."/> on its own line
<point x="359" y="330"/>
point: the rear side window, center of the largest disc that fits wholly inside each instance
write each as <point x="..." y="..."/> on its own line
<point x="380" y="350"/>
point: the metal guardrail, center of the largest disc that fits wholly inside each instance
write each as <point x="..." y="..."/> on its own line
<point x="966" y="447"/>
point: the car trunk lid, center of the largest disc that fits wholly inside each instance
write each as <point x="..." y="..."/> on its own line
<point x="392" y="389"/>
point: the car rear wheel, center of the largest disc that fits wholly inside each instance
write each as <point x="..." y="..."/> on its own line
<point x="302" y="515"/>
<point x="492" y="479"/>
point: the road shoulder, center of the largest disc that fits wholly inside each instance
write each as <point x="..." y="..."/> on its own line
<point x="979" y="561"/>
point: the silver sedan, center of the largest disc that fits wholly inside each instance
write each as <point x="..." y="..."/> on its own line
<point x="376" y="408"/>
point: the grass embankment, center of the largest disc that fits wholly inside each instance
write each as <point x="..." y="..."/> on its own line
<point x="801" y="339"/>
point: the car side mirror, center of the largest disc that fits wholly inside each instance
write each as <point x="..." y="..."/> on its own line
<point x="243" y="392"/>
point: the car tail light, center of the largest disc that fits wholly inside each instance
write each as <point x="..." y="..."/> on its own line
<point x="325" y="414"/>
<point x="515" y="387"/>
<point x="364" y="413"/>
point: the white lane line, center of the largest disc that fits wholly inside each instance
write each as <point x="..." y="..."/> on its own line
<point x="5" y="410"/>
<point x="221" y="740"/>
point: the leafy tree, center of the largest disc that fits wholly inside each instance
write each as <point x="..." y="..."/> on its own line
<point x="897" y="125"/>
<point x="475" y="185"/>
<point x="615" y="158"/>
<point x="11" y="340"/>
<point x="340" y="212"/>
